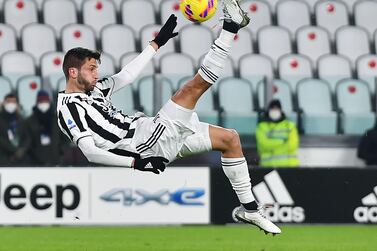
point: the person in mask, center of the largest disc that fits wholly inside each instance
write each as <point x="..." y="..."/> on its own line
<point x="42" y="137"/>
<point x="277" y="138"/>
<point x="11" y="124"/>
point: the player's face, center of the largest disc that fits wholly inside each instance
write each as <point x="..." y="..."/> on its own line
<point x="88" y="75"/>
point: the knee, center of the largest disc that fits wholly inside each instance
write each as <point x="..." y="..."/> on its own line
<point x="231" y="139"/>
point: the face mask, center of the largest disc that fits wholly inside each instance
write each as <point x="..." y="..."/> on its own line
<point x="43" y="107"/>
<point x="10" y="107"/>
<point x="274" y="114"/>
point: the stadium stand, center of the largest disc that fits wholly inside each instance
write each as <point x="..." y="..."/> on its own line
<point x="98" y="14"/>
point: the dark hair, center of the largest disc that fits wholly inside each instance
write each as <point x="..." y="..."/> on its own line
<point x="76" y="57"/>
<point x="11" y="95"/>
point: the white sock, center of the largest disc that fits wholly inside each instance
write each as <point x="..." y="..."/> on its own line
<point x="214" y="61"/>
<point x="237" y="171"/>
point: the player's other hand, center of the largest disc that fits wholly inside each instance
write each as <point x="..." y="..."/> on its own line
<point x="167" y="31"/>
<point x="151" y="164"/>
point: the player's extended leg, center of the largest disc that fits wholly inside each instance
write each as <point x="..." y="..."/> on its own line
<point x="236" y="169"/>
<point x="214" y="62"/>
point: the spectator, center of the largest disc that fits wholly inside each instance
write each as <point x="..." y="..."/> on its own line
<point x="367" y="147"/>
<point x="11" y="123"/>
<point x="42" y="137"/>
<point x="277" y="138"/>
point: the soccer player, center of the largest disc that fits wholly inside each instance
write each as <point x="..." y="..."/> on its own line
<point x="108" y="137"/>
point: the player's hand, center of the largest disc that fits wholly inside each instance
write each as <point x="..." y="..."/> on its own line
<point x="151" y="164"/>
<point x="167" y="31"/>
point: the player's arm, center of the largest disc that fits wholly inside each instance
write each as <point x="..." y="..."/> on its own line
<point x="132" y="70"/>
<point x="100" y="156"/>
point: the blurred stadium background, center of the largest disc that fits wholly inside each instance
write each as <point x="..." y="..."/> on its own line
<point x="317" y="57"/>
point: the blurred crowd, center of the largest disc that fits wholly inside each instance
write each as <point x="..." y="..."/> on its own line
<point x="33" y="140"/>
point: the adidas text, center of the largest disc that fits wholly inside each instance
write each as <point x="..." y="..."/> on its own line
<point x="365" y="214"/>
<point x="285" y="214"/>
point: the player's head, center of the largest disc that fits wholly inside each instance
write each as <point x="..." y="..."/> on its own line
<point x="81" y="64"/>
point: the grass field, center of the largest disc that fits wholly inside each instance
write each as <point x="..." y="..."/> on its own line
<point x="187" y="238"/>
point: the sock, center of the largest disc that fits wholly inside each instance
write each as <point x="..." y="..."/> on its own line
<point x="238" y="174"/>
<point x="231" y="27"/>
<point x="214" y="61"/>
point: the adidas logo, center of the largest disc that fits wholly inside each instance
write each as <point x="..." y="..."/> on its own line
<point x="273" y="191"/>
<point x="368" y="213"/>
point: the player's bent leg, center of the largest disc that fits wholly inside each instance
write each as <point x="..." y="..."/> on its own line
<point x="189" y="94"/>
<point x="236" y="169"/>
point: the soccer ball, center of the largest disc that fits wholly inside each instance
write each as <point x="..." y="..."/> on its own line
<point x="198" y="10"/>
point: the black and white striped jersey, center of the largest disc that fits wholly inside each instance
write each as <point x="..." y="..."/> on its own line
<point x="92" y="114"/>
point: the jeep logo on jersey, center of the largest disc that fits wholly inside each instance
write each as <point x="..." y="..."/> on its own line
<point x="368" y="212"/>
<point x="273" y="191"/>
<point x="138" y="197"/>
<point x="41" y="197"/>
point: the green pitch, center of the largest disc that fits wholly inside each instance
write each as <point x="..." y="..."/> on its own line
<point x="188" y="238"/>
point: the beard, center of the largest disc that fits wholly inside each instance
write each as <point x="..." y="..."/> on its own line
<point x="82" y="81"/>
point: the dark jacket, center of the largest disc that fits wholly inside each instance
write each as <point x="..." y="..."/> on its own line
<point x="43" y="139"/>
<point x="11" y="127"/>
<point x="367" y="149"/>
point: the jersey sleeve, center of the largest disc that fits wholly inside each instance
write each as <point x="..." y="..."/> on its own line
<point x="71" y="119"/>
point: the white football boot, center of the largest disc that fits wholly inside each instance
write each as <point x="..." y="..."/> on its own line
<point x="233" y="12"/>
<point x="257" y="218"/>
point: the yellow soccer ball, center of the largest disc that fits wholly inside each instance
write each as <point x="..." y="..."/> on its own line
<point x="198" y="10"/>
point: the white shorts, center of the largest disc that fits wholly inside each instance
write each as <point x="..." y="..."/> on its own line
<point x="174" y="132"/>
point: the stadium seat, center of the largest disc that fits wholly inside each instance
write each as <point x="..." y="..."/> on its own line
<point x="354" y="103"/>
<point x="8" y="39"/>
<point x="138" y="13"/>
<point x="77" y="35"/>
<point x="5" y="87"/>
<point x="331" y="15"/>
<point x="79" y="4"/>
<point x="314" y="100"/>
<point x="117" y="39"/>
<point x="38" y="39"/>
<point x="147" y="71"/>
<point x="274" y="42"/>
<point x="148" y="33"/>
<point x="123" y="99"/>
<point x="351" y="5"/>
<point x="365" y="16"/>
<point x="54" y="16"/>
<point x="61" y="84"/>
<point x="40" y="3"/>
<point x="195" y="47"/>
<point x="311" y="4"/>
<point x="107" y="66"/>
<point x="145" y="90"/>
<point x="51" y="69"/>
<point x="254" y="67"/>
<point x="260" y="12"/>
<point x="272" y="4"/>
<point x="282" y="91"/>
<point x="176" y="66"/>
<point x="98" y="13"/>
<point x="238" y="115"/>
<point x="352" y="42"/>
<point x="313" y="41"/>
<point x="294" y="67"/>
<point x="19" y="13"/>
<point x="15" y="64"/>
<point x="292" y="15"/>
<point x="168" y="7"/>
<point x="242" y="45"/>
<point x="331" y="74"/>
<point x="27" y="89"/>
<point x="366" y="68"/>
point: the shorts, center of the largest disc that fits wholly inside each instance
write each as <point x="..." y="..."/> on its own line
<point x="174" y="132"/>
